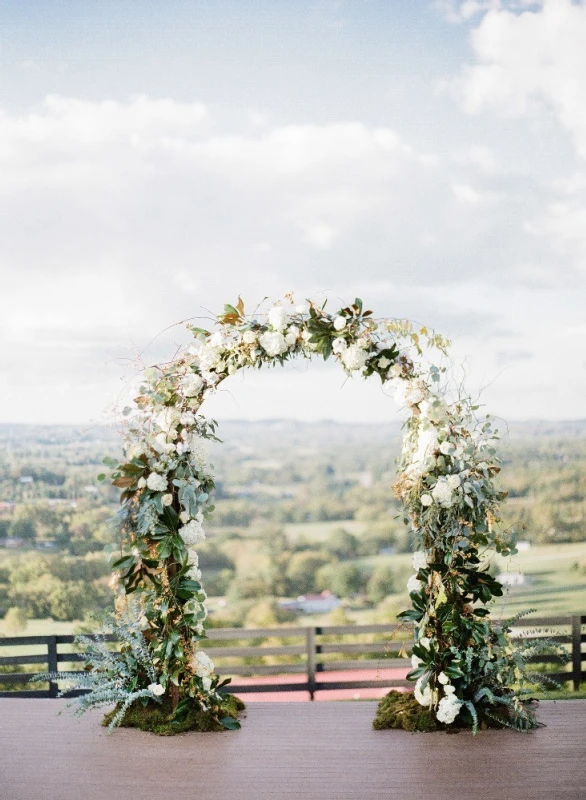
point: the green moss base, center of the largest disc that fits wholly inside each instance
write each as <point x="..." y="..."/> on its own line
<point x="401" y="710"/>
<point x="158" y="717"/>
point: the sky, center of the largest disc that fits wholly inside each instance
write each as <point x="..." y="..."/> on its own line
<point x="158" y="160"/>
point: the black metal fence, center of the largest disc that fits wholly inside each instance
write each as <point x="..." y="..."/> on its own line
<point x="316" y="654"/>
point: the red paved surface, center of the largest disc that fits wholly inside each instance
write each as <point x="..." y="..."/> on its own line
<point x="389" y="675"/>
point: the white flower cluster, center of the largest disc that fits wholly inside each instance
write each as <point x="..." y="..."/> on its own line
<point x="449" y="707"/>
<point x="156" y="482"/>
<point x="202" y="664"/>
<point x="192" y="533"/>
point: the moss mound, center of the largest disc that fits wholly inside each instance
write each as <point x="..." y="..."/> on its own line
<point x="401" y="710"/>
<point x="158" y="717"/>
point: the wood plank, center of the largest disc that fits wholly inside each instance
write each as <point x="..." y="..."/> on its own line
<point x="294" y="751"/>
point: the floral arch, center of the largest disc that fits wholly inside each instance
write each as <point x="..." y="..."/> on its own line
<point x="463" y="665"/>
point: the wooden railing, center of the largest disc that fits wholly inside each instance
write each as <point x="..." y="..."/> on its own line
<point x="316" y="653"/>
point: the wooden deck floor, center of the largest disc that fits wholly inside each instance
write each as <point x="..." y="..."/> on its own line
<point x="322" y="751"/>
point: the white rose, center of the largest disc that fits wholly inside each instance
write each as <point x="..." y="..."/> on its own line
<point x="141" y="483"/>
<point x="278" y="318"/>
<point x="443" y="678"/>
<point x="426" y="500"/>
<point x="422" y="697"/>
<point x="273" y="343"/>
<point x="167" y="499"/>
<point x="413" y="584"/>
<point x="157" y="483"/>
<point x="446" y="448"/>
<point x="302" y="308"/>
<point x="249" y="337"/>
<point x="184" y="517"/>
<point x="396" y="370"/>
<point x="156" y="689"/>
<point x="339" y="323"/>
<point x="354" y="358"/>
<point x="383" y="362"/>
<point x="191" y="385"/>
<point x="292" y="335"/>
<point x="203" y="664"/>
<point x="192" y="533"/>
<point x="339" y="346"/>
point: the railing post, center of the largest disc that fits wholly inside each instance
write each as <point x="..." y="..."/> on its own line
<point x="576" y="651"/>
<point x="310" y="644"/>
<point x="52" y="663"/>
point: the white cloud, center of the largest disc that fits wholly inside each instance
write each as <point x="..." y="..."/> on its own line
<point x="121" y="218"/>
<point x="529" y="59"/>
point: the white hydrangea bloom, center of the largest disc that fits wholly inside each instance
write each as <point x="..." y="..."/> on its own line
<point x="419" y="560"/>
<point x="203" y="664"/>
<point x="156" y="483"/>
<point x="354" y="358"/>
<point x="292" y="335"/>
<point x="278" y="318"/>
<point x="217" y="340"/>
<point x="422" y="697"/>
<point x="453" y="481"/>
<point x="426" y="444"/>
<point x="249" y="337"/>
<point x="409" y="393"/>
<point x="443" y="494"/>
<point x="191" y="385"/>
<point x="448" y="709"/>
<point x="184" y="517"/>
<point x="339" y="323"/>
<point x="210" y="356"/>
<point x="273" y="343"/>
<point x="192" y="533"/>
<point x="413" y="584"/>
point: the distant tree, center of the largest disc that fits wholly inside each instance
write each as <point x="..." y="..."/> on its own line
<point x="381" y="583"/>
<point x="343" y="579"/>
<point x="302" y="569"/>
<point x="343" y="544"/>
<point x="15" y="620"/>
<point x="23" y="526"/>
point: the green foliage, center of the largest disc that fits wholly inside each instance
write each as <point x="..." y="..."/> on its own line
<point x="401" y="710"/>
<point x="343" y="579"/>
<point x="160" y="718"/>
<point x="381" y="583"/>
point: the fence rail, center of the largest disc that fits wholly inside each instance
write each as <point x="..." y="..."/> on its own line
<point x="316" y="651"/>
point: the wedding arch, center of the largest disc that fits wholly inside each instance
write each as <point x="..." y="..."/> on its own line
<point x="462" y="664"/>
